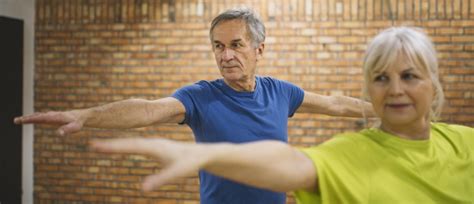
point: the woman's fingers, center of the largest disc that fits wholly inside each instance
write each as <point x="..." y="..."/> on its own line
<point x="177" y="162"/>
<point x="169" y="173"/>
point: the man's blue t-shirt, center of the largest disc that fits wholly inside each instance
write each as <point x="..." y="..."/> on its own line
<point x="217" y="113"/>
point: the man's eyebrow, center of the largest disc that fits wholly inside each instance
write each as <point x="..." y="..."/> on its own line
<point x="232" y="41"/>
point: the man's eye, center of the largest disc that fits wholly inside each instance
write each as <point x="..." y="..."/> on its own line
<point x="218" y="46"/>
<point x="236" y="45"/>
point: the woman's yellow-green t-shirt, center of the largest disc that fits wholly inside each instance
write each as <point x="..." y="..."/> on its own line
<point x="372" y="166"/>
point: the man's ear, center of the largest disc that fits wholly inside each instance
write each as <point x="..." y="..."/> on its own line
<point x="260" y="49"/>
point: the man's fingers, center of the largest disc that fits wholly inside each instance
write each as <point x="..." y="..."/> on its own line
<point x="17" y="120"/>
<point x="69" y="128"/>
<point x="25" y="119"/>
<point x="47" y="118"/>
<point x="33" y="118"/>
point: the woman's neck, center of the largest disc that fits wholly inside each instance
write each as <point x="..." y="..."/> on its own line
<point x="420" y="131"/>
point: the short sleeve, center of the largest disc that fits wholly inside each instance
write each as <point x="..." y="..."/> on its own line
<point x="337" y="165"/>
<point x="295" y="96"/>
<point x="189" y="96"/>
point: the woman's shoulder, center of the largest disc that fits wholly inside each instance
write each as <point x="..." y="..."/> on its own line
<point x="457" y="134"/>
<point x="455" y="129"/>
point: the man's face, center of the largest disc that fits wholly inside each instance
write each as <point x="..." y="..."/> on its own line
<point x="235" y="55"/>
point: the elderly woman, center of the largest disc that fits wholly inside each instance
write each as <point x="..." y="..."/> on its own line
<point x="406" y="158"/>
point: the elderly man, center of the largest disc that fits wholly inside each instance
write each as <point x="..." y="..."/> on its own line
<point x="239" y="107"/>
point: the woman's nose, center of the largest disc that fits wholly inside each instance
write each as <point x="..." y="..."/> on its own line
<point x="395" y="87"/>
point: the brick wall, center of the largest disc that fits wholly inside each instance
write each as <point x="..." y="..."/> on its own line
<point x="91" y="52"/>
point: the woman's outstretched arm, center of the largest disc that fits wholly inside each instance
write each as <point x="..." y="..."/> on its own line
<point x="270" y="165"/>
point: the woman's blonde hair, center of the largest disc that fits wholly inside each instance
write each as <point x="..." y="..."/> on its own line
<point x="385" y="48"/>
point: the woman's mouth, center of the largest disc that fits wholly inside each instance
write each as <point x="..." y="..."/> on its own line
<point x="398" y="105"/>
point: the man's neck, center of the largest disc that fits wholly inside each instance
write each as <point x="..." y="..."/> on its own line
<point x="242" y="86"/>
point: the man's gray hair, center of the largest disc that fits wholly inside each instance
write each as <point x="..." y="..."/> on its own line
<point x="255" y="27"/>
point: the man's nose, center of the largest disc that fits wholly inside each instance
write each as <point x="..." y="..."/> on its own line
<point x="228" y="54"/>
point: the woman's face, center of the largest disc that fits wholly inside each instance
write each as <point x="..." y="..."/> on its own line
<point x="402" y="94"/>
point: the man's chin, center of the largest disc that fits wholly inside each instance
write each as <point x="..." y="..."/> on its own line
<point x="232" y="79"/>
<point x="231" y="76"/>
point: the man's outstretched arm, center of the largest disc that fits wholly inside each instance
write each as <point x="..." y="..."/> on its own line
<point x="335" y="105"/>
<point x="129" y="113"/>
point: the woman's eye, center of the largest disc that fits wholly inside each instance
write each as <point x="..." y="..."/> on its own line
<point x="408" y="76"/>
<point x="381" y="78"/>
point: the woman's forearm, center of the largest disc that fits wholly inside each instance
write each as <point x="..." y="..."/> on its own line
<point x="270" y="165"/>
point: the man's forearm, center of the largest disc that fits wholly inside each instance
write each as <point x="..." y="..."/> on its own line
<point x="130" y="113"/>
<point x="352" y="107"/>
<point x="335" y="106"/>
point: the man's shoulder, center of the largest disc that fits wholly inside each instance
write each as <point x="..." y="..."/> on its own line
<point x="269" y="79"/>
<point x="274" y="82"/>
<point x="202" y="85"/>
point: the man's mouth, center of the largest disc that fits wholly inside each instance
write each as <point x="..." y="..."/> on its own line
<point x="228" y="67"/>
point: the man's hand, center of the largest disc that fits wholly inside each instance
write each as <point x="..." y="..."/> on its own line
<point x="69" y="122"/>
<point x="179" y="159"/>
